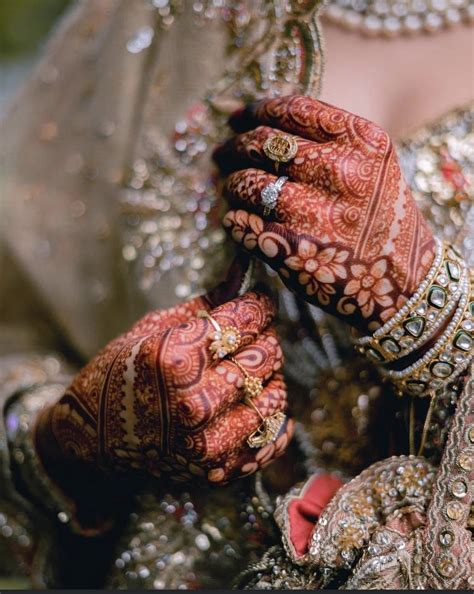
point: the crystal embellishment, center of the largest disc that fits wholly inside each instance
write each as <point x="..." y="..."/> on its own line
<point x="390" y="346"/>
<point x="446" y="538"/>
<point x="463" y="341"/>
<point x="437" y="297"/>
<point x="441" y="369"/>
<point x="454" y="270"/>
<point x="415" y="326"/>
<point x="454" y="510"/>
<point x="459" y="488"/>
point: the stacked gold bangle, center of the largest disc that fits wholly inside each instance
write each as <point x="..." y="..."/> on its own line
<point x="446" y="360"/>
<point x="445" y="295"/>
<point x="424" y="314"/>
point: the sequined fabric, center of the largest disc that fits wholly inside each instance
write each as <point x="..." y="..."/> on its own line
<point x="125" y="238"/>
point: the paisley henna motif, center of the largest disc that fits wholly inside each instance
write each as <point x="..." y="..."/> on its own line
<point x="154" y="399"/>
<point x="345" y="233"/>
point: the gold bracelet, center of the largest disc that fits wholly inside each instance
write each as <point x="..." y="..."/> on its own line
<point x="425" y="312"/>
<point x="447" y="359"/>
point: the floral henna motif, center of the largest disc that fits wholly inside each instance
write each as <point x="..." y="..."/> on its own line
<point x="155" y="400"/>
<point x="345" y="232"/>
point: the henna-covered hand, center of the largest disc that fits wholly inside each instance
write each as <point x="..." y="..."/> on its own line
<point x="346" y="233"/>
<point x="155" y="400"/>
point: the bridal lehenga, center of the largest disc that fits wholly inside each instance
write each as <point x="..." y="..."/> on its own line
<point x="110" y="209"/>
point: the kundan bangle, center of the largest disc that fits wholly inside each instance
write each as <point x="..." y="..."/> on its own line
<point x="447" y="359"/>
<point x="423" y="315"/>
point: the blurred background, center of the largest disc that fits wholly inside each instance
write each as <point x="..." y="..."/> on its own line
<point x="24" y="28"/>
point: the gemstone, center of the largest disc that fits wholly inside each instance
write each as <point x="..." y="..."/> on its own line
<point x="397" y="333"/>
<point x="425" y="376"/>
<point x="459" y="488"/>
<point x="471" y="308"/>
<point x="454" y="510"/>
<point x="454" y="270"/>
<point x="468" y="325"/>
<point x="431" y="316"/>
<point x="443" y="280"/>
<point x="446" y="538"/>
<point x="415" y="326"/>
<point x="435" y="384"/>
<point x="446" y="567"/>
<point x="459" y="358"/>
<point x="441" y="369"/>
<point x="437" y="297"/>
<point x="406" y="342"/>
<point x="416" y="387"/>
<point x="463" y="341"/>
<point x="374" y="355"/>
<point x="389" y="345"/>
<point x="421" y="310"/>
<point x="465" y="460"/>
<point x="453" y="287"/>
<point x="445" y="356"/>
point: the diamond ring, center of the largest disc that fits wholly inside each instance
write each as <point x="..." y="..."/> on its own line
<point x="271" y="193"/>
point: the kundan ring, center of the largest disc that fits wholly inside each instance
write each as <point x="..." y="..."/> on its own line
<point x="280" y="148"/>
<point x="225" y="340"/>
<point x="271" y="193"/>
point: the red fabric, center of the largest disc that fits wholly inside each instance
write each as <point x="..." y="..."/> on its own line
<point x="303" y="511"/>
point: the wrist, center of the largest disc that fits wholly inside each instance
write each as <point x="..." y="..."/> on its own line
<point x="428" y="341"/>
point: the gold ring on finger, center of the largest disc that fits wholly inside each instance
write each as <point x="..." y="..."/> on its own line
<point x="225" y="340"/>
<point x="271" y="193"/>
<point x="252" y="385"/>
<point x="280" y="148"/>
<point x="268" y="431"/>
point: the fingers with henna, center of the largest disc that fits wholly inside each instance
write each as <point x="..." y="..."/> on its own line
<point x="296" y="114"/>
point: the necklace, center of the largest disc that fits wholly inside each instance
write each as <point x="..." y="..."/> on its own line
<point x="395" y="17"/>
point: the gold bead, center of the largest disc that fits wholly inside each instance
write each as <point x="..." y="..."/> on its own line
<point x="252" y="386"/>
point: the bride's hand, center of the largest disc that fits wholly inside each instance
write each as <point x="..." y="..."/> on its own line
<point x="345" y="234"/>
<point x="155" y="399"/>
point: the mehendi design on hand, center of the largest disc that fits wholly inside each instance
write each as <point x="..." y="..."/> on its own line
<point x="345" y="232"/>
<point x="155" y="400"/>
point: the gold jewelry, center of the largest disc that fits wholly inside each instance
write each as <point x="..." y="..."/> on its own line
<point x="268" y="430"/>
<point x="252" y="385"/>
<point x="423" y="315"/>
<point x="280" y="148"/>
<point x="225" y="340"/>
<point x="446" y="359"/>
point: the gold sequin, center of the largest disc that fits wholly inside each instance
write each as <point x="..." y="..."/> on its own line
<point x="454" y="510"/>
<point x="465" y="460"/>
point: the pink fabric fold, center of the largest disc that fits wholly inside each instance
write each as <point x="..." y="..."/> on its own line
<point x="304" y="511"/>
